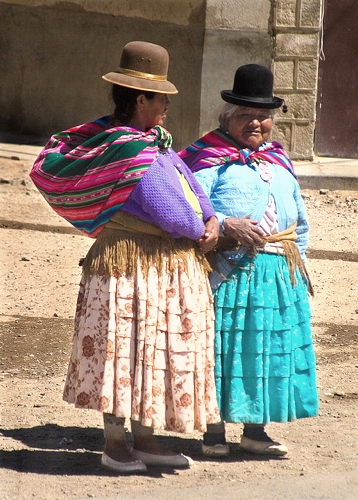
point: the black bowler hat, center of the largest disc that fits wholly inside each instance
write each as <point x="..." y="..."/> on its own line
<point x="253" y="87"/>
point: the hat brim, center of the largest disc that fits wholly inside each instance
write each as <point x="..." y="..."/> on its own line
<point x="252" y="102"/>
<point x="144" y="84"/>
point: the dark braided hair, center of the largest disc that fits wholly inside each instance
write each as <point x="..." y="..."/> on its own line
<point x="125" y="100"/>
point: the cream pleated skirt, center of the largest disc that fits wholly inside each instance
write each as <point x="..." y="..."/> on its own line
<point x="143" y="347"/>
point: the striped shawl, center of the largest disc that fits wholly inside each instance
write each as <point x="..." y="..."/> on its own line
<point x="216" y="148"/>
<point x="87" y="172"/>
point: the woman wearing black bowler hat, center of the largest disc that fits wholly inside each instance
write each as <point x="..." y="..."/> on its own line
<point x="265" y="363"/>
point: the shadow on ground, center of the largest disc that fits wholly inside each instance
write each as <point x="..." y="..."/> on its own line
<point x="76" y="451"/>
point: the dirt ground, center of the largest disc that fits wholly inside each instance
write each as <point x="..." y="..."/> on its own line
<point x="51" y="451"/>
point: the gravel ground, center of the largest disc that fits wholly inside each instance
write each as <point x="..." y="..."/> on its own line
<point x="51" y="451"/>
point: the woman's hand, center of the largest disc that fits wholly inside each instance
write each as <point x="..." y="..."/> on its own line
<point x="210" y="237"/>
<point x="243" y="230"/>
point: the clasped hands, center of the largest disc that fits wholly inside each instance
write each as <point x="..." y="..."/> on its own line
<point x="241" y="229"/>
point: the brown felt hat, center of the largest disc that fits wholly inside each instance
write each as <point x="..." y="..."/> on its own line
<point x="143" y="66"/>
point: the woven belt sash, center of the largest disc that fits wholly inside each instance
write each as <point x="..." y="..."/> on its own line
<point x="287" y="238"/>
<point x="127" y="241"/>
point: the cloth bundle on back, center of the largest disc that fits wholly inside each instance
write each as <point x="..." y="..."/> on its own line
<point x="87" y="172"/>
<point x="143" y="345"/>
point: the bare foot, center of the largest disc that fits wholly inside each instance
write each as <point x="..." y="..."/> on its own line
<point x="150" y="445"/>
<point x="118" y="451"/>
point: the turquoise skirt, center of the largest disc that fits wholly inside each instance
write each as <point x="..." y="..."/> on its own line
<point x="265" y="364"/>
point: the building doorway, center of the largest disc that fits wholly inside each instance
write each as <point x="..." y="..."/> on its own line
<point x="336" y="132"/>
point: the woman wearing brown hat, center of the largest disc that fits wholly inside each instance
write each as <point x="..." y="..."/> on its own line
<point x="265" y="363"/>
<point x="143" y="343"/>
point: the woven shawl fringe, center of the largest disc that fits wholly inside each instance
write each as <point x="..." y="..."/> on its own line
<point x="119" y="252"/>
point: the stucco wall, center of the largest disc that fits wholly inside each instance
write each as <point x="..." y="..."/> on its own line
<point x="52" y="58"/>
<point x="153" y="10"/>
<point x="54" y="52"/>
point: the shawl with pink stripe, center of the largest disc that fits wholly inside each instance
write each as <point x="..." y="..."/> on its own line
<point x="87" y="172"/>
<point x="216" y="148"/>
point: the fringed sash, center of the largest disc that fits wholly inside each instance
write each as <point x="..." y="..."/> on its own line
<point x="126" y="242"/>
<point x="287" y="239"/>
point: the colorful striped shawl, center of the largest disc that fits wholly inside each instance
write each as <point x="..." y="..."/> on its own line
<point x="216" y="148"/>
<point x="87" y="172"/>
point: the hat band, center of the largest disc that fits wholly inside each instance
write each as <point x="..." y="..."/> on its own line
<point x="139" y="74"/>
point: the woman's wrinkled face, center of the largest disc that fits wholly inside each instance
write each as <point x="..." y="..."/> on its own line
<point x="250" y="127"/>
<point x="154" y="111"/>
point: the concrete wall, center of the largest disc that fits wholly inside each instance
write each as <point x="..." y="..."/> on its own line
<point x="53" y="53"/>
<point x="236" y="33"/>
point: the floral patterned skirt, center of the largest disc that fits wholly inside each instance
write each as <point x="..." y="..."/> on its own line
<point x="143" y="348"/>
